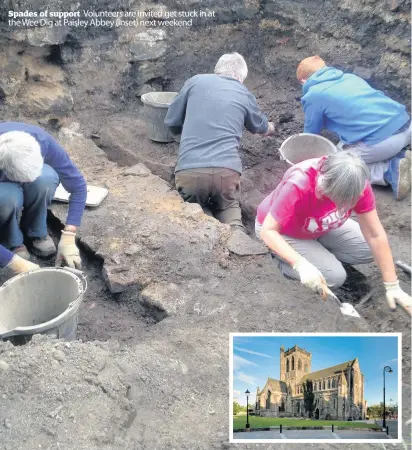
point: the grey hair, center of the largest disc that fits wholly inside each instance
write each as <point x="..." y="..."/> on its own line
<point x="342" y="178"/>
<point x="232" y="65"/>
<point x="20" y="156"/>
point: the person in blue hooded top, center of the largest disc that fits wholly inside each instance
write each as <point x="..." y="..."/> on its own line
<point x="367" y="121"/>
<point x="32" y="164"/>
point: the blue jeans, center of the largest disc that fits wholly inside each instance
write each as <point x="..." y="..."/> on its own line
<point x="34" y="199"/>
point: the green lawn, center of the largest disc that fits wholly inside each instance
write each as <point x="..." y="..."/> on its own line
<point x="264" y="422"/>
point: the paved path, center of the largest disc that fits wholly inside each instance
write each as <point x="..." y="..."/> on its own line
<point x="311" y="434"/>
<point x="393" y="427"/>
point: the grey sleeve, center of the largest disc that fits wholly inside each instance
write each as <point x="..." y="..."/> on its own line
<point x="255" y="121"/>
<point x="176" y="113"/>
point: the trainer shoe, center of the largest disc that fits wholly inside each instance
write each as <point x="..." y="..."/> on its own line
<point x="21" y="251"/>
<point x="398" y="176"/>
<point x="403" y="153"/>
<point x="43" y="247"/>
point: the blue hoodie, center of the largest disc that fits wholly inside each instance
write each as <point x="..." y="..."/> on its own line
<point x="346" y="104"/>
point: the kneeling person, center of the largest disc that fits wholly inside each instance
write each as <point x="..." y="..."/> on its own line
<point x="32" y="164"/>
<point x="367" y="121"/>
<point x="210" y="112"/>
<point x="306" y="223"/>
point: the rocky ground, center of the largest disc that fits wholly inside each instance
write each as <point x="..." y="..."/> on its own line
<point x="177" y="293"/>
<point x="151" y="367"/>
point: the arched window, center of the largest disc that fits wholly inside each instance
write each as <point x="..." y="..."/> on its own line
<point x="306" y="368"/>
<point x="287" y="365"/>
<point x="328" y="384"/>
<point x="299" y="365"/>
<point x="333" y="383"/>
<point x="268" y="400"/>
<point x="323" y="385"/>
<point x="293" y="363"/>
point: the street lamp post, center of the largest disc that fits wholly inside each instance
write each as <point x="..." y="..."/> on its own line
<point x="389" y="370"/>
<point x="247" y="409"/>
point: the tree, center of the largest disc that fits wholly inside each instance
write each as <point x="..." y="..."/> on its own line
<point x="236" y="408"/>
<point x="308" y="397"/>
<point x="375" y="411"/>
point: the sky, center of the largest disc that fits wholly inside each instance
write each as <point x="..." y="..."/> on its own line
<point x="255" y="358"/>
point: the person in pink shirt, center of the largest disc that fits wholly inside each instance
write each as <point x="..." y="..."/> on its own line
<point x="306" y="223"/>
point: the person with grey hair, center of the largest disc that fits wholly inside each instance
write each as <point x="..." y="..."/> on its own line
<point x="32" y="164"/>
<point x="210" y="113"/>
<point x="306" y="223"/>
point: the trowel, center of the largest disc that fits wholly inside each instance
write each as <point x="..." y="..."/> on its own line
<point x="404" y="267"/>
<point x="346" y="308"/>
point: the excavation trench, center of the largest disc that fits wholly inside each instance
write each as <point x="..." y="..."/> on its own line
<point x="356" y="286"/>
<point x="103" y="316"/>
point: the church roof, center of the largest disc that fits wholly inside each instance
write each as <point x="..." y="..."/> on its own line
<point x="329" y="371"/>
<point x="277" y="385"/>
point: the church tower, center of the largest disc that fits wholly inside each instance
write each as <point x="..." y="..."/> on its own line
<point x="343" y="392"/>
<point x="282" y="364"/>
<point x="294" y="364"/>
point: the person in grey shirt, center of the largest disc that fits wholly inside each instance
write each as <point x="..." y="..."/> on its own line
<point x="210" y="113"/>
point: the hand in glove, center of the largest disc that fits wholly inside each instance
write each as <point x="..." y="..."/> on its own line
<point x="67" y="251"/>
<point x="271" y="129"/>
<point x="20" y="265"/>
<point x="394" y="295"/>
<point x="310" y="276"/>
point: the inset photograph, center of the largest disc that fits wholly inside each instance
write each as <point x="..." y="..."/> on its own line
<point x="317" y="387"/>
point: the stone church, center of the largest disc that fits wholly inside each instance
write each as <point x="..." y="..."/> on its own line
<point x="339" y="390"/>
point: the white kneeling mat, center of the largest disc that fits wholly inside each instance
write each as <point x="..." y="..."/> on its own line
<point x="95" y="195"/>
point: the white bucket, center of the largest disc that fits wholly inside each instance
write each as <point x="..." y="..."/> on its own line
<point x="43" y="301"/>
<point x="303" y="146"/>
<point x="155" y="109"/>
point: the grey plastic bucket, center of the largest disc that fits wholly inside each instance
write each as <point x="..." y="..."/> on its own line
<point x="43" y="301"/>
<point x="155" y="109"/>
<point x="303" y="146"/>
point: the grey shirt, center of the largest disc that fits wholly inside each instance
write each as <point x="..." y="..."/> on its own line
<point x="211" y="111"/>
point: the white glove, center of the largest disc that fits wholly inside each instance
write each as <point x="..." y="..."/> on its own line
<point x="67" y="251"/>
<point x="271" y="129"/>
<point x="310" y="276"/>
<point x="394" y="295"/>
<point x="20" y="265"/>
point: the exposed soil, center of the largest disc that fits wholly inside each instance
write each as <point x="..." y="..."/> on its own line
<point x="263" y="169"/>
<point x="104" y="316"/>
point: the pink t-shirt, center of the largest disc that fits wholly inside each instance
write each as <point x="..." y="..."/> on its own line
<point x="294" y="205"/>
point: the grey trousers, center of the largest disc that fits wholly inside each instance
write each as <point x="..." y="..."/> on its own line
<point x="377" y="156"/>
<point x="345" y="244"/>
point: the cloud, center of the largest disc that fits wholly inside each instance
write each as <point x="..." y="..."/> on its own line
<point x="241" y="376"/>
<point x="252" y="352"/>
<point x="393" y="360"/>
<point x="239" y="362"/>
<point x="236" y="394"/>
